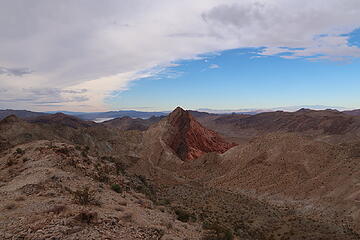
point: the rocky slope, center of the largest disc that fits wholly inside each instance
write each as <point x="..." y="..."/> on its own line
<point x="288" y="169"/>
<point x="52" y="190"/>
<point x="273" y="187"/>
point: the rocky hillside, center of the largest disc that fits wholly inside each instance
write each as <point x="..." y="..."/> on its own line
<point x="289" y="169"/>
<point x="52" y="190"/>
<point x="64" y="178"/>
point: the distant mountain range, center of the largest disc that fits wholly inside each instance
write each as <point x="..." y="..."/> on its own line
<point x="105" y="116"/>
<point x="253" y="111"/>
<point x="92" y="116"/>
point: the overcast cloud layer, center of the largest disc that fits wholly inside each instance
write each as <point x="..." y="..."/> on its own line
<point x="71" y="54"/>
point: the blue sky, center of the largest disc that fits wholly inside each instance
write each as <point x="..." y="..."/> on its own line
<point x="159" y="54"/>
<point x="241" y="78"/>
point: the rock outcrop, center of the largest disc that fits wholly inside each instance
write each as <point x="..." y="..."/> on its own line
<point x="190" y="140"/>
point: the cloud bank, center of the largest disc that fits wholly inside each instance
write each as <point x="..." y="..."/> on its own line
<point x="74" y="53"/>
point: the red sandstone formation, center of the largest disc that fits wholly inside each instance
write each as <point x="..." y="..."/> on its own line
<point x="190" y="139"/>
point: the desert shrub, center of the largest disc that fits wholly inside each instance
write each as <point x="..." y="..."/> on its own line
<point x="19" y="198"/>
<point x="127" y="217"/>
<point x="120" y="167"/>
<point x="84" y="154"/>
<point x="10" y="162"/>
<point x="108" y="158"/>
<point x="116" y="188"/>
<point x="85" y="197"/>
<point x="27" y="135"/>
<point x="20" y="151"/>
<point x="85" y="151"/>
<point x="10" y="206"/>
<point x="119" y="209"/>
<point x="87" y="217"/>
<point x="217" y="232"/>
<point x="102" y="176"/>
<point x="141" y="185"/>
<point x="184" y="216"/>
<point x="78" y="147"/>
<point x="163" y="202"/>
<point x="63" y="150"/>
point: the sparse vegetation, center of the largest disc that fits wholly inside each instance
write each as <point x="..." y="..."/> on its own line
<point x="116" y="188"/>
<point x="85" y="197"/>
<point x="63" y="150"/>
<point x="119" y="165"/>
<point x="19" y="198"/>
<point x="10" y="206"/>
<point x="10" y="162"/>
<point x="87" y="217"/>
<point x="184" y="216"/>
<point x="127" y="216"/>
<point x="102" y="176"/>
<point x="20" y="151"/>
<point x="85" y="151"/>
<point x="217" y="232"/>
<point x="163" y="202"/>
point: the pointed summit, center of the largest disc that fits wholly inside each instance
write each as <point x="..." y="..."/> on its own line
<point x="189" y="139"/>
<point x="180" y="118"/>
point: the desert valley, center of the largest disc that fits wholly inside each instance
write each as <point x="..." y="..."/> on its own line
<point x="187" y="175"/>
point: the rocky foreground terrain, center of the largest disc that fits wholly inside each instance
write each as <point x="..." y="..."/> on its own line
<point x="272" y="176"/>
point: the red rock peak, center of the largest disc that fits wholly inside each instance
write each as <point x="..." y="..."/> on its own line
<point x="190" y="140"/>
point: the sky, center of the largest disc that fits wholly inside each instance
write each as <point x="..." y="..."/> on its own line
<point x="90" y="55"/>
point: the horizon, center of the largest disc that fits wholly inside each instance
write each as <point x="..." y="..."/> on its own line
<point x="219" y="55"/>
<point x="210" y="110"/>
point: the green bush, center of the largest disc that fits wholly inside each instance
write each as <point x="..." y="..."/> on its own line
<point x="116" y="188"/>
<point x="20" y="151"/>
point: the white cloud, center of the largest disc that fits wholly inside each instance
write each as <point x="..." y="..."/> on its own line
<point x="103" y="46"/>
<point x="214" y="66"/>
